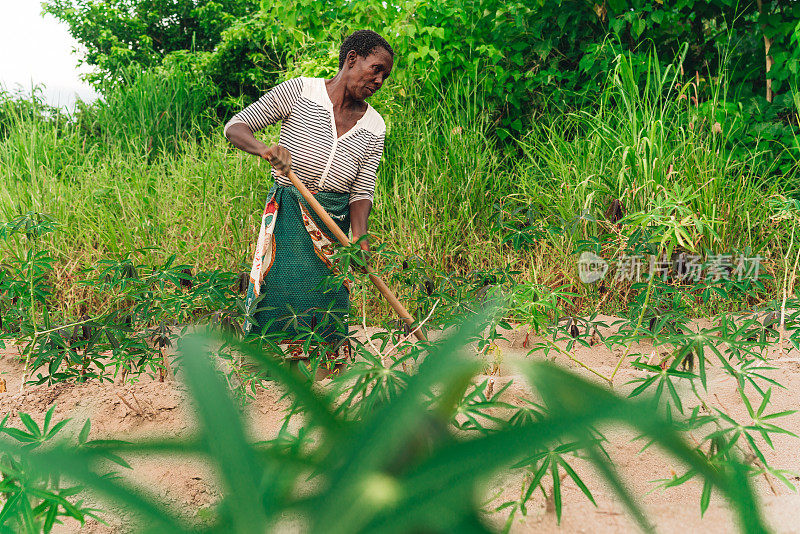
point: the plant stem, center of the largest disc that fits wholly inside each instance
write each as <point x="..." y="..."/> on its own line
<point x="788" y="286"/>
<point x="638" y="323"/>
<point x="32" y="256"/>
<point x="579" y="362"/>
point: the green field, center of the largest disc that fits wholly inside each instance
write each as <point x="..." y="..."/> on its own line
<point x="521" y="138"/>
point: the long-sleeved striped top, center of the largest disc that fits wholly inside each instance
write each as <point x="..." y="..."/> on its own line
<point x="321" y="160"/>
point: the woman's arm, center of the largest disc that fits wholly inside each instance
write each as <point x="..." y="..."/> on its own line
<point x="359" y="215"/>
<point x="274" y="106"/>
<point x="241" y="136"/>
<point x="361" y="193"/>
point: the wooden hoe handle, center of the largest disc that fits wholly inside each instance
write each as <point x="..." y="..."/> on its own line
<point x="396" y="305"/>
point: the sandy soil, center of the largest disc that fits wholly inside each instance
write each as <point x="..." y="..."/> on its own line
<point x="149" y="409"/>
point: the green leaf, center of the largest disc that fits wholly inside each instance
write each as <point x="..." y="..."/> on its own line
<point x="746" y="402"/>
<point x="537" y="478"/>
<point x="58" y="426"/>
<point x="705" y="498"/>
<point x="224" y="437"/>
<point x="115" y="458"/>
<point x="20" y="435"/>
<point x="10" y="507"/>
<point x="764" y="402"/>
<point x="84" y="434"/>
<point x="556" y="495"/>
<point x="574" y="476"/>
<point x="50" y="518"/>
<point x="777" y="414"/>
<point x="674" y="394"/>
<point x="643" y="386"/>
<point x="47" y="417"/>
<point x="30" y="424"/>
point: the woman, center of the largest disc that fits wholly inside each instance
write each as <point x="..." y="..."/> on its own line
<point x="333" y="140"/>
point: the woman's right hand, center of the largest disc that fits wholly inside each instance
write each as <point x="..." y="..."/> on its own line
<point x="279" y="157"/>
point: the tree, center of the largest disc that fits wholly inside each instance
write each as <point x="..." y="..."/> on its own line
<point x="117" y="33"/>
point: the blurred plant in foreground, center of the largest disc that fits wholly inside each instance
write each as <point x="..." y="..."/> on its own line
<point x="398" y="467"/>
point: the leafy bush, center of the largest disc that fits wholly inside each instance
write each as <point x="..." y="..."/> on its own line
<point x="120" y="33"/>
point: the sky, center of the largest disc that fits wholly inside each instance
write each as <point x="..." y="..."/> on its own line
<point x="40" y="50"/>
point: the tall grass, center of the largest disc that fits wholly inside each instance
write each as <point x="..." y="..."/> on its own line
<point x="147" y="167"/>
<point x="441" y="172"/>
<point x="153" y="111"/>
<point x="135" y="170"/>
<point x="649" y="139"/>
<point x="638" y="144"/>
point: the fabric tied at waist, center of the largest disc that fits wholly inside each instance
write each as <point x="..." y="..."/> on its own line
<point x="296" y="226"/>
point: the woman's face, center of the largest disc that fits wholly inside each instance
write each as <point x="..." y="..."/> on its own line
<point x="367" y="74"/>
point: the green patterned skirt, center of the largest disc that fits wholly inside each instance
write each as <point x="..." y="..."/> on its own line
<point x="291" y="298"/>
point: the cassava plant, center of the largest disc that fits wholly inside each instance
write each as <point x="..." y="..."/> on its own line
<point x="396" y="467"/>
<point x="32" y="501"/>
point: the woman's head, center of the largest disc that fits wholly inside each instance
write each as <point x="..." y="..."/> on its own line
<point x="366" y="60"/>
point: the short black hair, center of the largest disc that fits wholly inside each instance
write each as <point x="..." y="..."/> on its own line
<point x="363" y="42"/>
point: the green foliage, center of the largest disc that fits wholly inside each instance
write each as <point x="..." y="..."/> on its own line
<point x="772" y="127"/>
<point x="525" y="57"/>
<point x="127" y="335"/>
<point x="120" y="33"/>
<point x="152" y="111"/>
<point x="396" y="468"/>
<point x="33" y="501"/>
<point x="18" y="108"/>
<point x="244" y="63"/>
<point x="445" y="188"/>
<point x="28" y="126"/>
<point x="646" y="150"/>
<point x="384" y="428"/>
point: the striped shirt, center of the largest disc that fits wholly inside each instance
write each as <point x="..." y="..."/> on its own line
<point x="322" y="160"/>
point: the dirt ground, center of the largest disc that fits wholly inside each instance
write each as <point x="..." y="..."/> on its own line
<point x="150" y="409"/>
